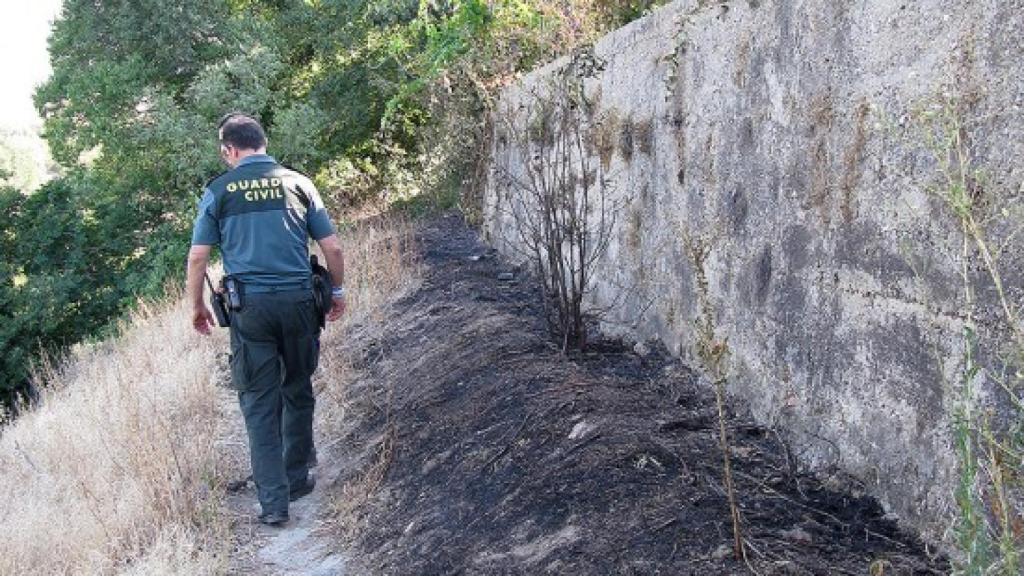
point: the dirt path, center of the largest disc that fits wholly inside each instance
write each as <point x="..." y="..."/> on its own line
<point x="474" y="447"/>
<point x="305" y="546"/>
<point x="302" y="547"/>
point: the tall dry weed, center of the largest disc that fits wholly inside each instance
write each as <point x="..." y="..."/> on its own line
<point x="380" y="267"/>
<point x="121" y="467"/>
<point x="116" y="467"/>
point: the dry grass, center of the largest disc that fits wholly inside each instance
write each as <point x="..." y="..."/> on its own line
<point x="380" y="267"/>
<point x="122" y="466"/>
<point x="116" y="471"/>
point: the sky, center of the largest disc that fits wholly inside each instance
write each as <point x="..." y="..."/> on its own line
<point x="24" y="27"/>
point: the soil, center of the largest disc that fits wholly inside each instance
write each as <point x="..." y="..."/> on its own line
<point x="474" y="446"/>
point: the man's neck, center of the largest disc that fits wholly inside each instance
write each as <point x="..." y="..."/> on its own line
<point x="243" y="154"/>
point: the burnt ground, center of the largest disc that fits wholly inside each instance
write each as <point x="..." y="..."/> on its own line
<point x="486" y="451"/>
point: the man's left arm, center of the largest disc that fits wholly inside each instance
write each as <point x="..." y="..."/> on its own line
<point x="335" y="257"/>
<point x="321" y="229"/>
<point x="198" y="260"/>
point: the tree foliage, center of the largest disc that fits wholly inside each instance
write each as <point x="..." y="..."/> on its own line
<point x="374" y="98"/>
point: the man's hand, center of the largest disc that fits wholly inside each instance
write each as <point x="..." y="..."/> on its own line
<point x="202" y="320"/>
<point x="337" y="308"/>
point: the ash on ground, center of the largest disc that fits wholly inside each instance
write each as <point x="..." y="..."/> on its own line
<point x="480" y="449"/>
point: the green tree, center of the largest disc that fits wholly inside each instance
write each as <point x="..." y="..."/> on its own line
<point x="365" y="95"/>
<point x="128" y="113"/>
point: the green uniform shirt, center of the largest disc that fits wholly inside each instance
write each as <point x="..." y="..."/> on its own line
<point x="262" y="216"/>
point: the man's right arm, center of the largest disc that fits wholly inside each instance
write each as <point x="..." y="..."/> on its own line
<point x="205" y="233"/>
<point x="198" y="259"/>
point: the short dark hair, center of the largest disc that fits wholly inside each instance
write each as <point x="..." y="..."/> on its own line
<point x="241" y="131"/>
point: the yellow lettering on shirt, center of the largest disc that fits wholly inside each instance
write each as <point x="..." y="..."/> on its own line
<point x="232" y="186"/>
<point x="243" y="184"/>
<point x="260" y="194"/>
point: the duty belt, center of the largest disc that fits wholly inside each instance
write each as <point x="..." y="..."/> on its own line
<point x="264" y="288"/>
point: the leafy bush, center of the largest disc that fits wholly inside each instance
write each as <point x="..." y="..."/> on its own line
<point x="380" y="100"/>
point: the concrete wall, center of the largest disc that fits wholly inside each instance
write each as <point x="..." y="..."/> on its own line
<point x="789" y="135"/>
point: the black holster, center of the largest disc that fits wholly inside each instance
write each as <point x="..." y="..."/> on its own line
<point x="322" y="287"/>
<point x="220" y="308"/>
<point x="235" y="292"/>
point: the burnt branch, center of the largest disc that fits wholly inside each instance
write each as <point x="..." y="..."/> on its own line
<point x="556" y="193"/>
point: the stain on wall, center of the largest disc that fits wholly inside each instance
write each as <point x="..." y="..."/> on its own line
<point x="782" y="133"/>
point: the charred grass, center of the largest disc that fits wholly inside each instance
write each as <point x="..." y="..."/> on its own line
<point x="477" y="448"/>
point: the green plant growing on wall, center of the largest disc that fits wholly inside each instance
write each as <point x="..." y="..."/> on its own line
<point x="674" y="59"/>
<point x="713" y="353"/>
<point x="990" y="454"/>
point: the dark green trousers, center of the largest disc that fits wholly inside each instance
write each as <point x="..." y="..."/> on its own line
<point x="274" y="349"/>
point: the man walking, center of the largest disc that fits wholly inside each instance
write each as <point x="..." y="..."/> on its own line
<point x="262" y="215"/>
